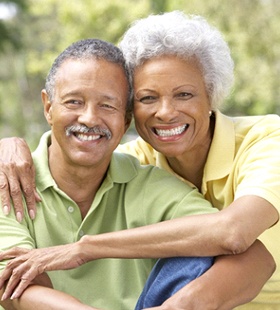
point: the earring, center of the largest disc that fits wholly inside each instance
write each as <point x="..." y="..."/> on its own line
<point x="210" y="113"/>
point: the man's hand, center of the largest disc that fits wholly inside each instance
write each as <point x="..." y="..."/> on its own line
<point x="17" y="176"/>
<point x="25" y="265"/>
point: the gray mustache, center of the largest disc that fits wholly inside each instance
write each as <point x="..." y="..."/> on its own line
<point x="84" y="129"/>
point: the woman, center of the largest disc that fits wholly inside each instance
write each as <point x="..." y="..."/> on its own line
<point x="182" y="71"/>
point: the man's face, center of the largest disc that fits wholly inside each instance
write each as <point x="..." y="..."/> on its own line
<point x="87" y="114"/>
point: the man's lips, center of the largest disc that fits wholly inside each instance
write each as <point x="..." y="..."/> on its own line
<point x="84" y="133"/>
<point x="172" y="131"/>
<point x="87" y="137"/>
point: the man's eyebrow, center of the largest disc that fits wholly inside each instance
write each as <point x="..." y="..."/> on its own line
<point x="109" y="97"/>
<point x="102" y="96"/>
<point x="71" y="93"/>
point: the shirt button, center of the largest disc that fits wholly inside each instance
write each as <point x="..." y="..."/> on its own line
<point x="81" y="233"/>
<point x="70" y="209"/>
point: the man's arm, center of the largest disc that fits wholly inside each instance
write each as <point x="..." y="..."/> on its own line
<point x="17" y="176"/>
<point x="37" y="297"/>
<point x="41" y="295"/>
<point x="43" y="280"/>
<point x="230" y="282"/>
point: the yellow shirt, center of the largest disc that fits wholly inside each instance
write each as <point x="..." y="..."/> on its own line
<point x="244" y="159"/>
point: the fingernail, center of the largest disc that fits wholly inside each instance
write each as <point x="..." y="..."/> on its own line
<point x="19" y="217"/>
<point x="6" y="210"/>
<point x="38" y="198"/>
<point x="4" y="296"/>
<point x="14" y="295"/>
<point x="32" y="214"/>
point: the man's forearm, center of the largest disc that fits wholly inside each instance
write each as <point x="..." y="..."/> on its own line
<point x="231" y="281"/>
<point x="38" y="297"/>
<point x="41" y="295"/>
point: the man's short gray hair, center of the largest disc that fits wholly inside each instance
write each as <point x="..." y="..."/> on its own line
<point x="84" y="50"/>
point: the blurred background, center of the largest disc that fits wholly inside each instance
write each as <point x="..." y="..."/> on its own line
<point x="34" y="32"/>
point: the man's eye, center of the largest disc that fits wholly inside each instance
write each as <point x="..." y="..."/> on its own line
<point x="72" y="104"/>
<point x="107" y="106"/>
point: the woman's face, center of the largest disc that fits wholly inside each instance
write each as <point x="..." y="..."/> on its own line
<point x="171" y="105"/>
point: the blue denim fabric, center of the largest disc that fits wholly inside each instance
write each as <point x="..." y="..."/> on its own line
<point x="168" y="276"/>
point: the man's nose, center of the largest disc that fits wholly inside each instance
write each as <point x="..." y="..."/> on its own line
<point x="89" y="115"/>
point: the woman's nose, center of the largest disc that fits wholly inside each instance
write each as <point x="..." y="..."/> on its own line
<point x="166" y="110"/>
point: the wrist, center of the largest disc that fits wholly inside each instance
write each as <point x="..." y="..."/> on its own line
<point x="201" y="296"/>
<point x="88" y="249"/>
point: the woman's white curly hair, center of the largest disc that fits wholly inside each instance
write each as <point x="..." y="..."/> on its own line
<point x="175" y="33"/>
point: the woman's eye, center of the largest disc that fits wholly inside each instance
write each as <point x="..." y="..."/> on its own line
<point x="185" y="95"/>
<point x="147" y="99"/>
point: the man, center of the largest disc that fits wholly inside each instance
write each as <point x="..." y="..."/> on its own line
<point x="86" y="189"/>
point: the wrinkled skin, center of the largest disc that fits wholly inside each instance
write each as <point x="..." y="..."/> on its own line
<point x="17" y="178"/>
<point x="26" y="265"/>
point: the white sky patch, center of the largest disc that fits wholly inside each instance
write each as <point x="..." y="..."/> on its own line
<point x="7" y="10"/>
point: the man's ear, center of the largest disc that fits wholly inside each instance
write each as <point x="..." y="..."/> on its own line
<point x="47" y="106"/>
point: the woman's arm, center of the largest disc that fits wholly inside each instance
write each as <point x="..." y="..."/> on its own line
<point x="17" y="176"/>
<point x="230" y="231"/>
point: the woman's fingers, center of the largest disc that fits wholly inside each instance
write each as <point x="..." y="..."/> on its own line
<point x="17" y="177"/>
<point x="18" y="273"/>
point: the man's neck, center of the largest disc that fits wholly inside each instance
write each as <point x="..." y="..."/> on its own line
<point x="80" y="183"/>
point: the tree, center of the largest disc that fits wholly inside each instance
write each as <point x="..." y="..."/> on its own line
<point x="8" y="34"/>
<point x="49" y="26"/>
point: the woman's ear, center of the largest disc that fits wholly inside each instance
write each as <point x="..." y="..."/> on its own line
<point x="47" y="106"/>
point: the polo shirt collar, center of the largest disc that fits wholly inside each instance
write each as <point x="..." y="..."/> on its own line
<point x="122" y="167"/>
<point x="121" y="170"/>
<point x="40" y="156"/>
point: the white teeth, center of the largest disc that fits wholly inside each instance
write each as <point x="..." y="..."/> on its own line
<point x="170" y="132"/>
<point x="83" y="137"/>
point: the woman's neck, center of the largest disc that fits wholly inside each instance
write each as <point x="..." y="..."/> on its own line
<point x="189" y="167"/>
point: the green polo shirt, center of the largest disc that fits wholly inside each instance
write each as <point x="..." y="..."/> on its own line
<point x="130" y="196"/>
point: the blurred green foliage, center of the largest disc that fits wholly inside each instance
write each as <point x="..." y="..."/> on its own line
<point x="9" y="31"/>
<point x="41" y="29"/>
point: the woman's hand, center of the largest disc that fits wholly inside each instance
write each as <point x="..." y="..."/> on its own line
<point x="17" y="177"/>
<point x="25" y="265"/>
